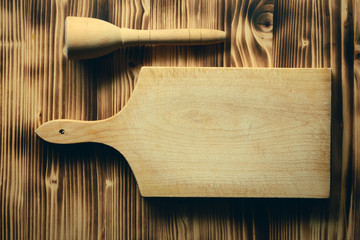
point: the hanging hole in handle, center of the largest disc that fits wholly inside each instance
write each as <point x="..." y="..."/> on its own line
<point x="61" y="131"/>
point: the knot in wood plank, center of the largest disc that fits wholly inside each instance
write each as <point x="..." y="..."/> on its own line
<point x="263" y="21"/>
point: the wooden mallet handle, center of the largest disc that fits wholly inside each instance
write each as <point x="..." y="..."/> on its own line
<point x="90" y="37"/>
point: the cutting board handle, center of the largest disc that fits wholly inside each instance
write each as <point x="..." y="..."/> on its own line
<point x="73" y="131"/>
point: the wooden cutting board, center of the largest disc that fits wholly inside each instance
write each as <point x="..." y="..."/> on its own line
<point x="219" y="132"/>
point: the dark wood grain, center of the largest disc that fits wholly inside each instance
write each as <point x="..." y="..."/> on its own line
<point x="354" y="211"/>
<point x="87" y="191"/>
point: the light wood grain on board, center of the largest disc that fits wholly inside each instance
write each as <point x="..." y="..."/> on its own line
<point x="88" y="191"/>
<point x="219" y="132"/>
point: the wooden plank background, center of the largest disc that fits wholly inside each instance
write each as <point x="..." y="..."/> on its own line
<point x="87" y="191"/>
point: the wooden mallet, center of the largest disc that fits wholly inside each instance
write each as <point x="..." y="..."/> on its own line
<point x="89" y="37"/>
